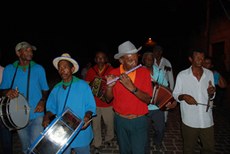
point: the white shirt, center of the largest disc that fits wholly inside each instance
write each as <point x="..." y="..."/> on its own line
<point x="169" y="74"/>
<point x="186" y="83"/>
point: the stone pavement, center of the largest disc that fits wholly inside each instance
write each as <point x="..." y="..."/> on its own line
<point x="172" y="143"/>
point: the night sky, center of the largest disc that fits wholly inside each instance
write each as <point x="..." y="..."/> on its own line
<point x="83" y="28"/>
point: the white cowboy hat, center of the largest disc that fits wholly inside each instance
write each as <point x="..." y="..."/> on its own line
<point x="126" y="48"/>
<point x="66" y="56"/>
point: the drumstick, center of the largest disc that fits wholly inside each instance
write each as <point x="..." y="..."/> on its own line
<point x="206" y="105"/>
<point x="17" y="99"/>
<point x="115" y="79"/>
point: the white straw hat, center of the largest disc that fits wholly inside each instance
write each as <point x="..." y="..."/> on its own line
<point x="66" y="56"/>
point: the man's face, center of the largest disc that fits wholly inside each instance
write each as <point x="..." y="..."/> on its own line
<point x="100" y="58"/>
<point x="25" y="54"/>
<point x="148" y="60"/>
<point x="197" y="59"/>
<point x="157" y="54"/>
<point x="207" y="63"/>
<point x="65" y="70"/>
<point x="129" y="61"/>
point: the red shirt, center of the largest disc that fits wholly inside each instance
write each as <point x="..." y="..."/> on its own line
<point x="94" y="72"/>
<point x="124" y="101"/>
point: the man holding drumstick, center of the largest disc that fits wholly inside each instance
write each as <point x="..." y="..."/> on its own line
<point x="28" y="78"/>
<point x="130" y="95"/>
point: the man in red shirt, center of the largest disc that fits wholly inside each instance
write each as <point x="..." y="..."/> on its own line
<point x="96" y="78"/>
<point x="130" y="95"/>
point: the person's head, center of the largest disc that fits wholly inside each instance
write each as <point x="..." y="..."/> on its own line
<point x="24" y="51"/>
<point x="208" y="62"/>
<point x="196" y="57"/>
<point x="127" y="55"/>
<point x="66" y="66"/>
<point x="100" y="58"/>
<point x="157" y="51"/>
<point x="148" y="59"/>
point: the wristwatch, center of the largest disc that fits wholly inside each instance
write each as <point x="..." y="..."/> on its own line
<point x="134" y="91"/>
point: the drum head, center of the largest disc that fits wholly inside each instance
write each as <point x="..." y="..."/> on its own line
<point x="19" y="111"/>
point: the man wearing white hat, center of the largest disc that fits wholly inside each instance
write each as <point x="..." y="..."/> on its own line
<point x="74" y="93"/>
<point x="130" y="94"/>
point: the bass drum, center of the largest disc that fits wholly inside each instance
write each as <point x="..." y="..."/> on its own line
<point x="14" y="112"/>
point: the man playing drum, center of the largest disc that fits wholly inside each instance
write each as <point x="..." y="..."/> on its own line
<point x="26" y="78"/>
<point x="74" y="93"/>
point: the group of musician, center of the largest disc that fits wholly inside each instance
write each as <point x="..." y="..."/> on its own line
<point x="121" y="99"/>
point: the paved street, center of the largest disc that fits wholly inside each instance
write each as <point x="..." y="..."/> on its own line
<point x="173" y="142"/>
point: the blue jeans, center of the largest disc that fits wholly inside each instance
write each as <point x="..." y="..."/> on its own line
<point x="6" y="139"/>
<point x="30" y="133"/>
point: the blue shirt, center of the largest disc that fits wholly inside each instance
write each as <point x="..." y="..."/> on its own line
<point x="159" y="77"/>
<point x="216" y="77"/>
<point x="80" y="100"/>
<point x="37" y="83"/>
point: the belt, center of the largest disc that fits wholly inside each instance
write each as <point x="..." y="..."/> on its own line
<point x="129" y="116"/>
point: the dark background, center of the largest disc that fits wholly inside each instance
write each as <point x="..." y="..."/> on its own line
<point x="82" y="28"/>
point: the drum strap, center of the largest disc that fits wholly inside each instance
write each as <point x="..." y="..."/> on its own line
<point x="14" y="77"/>
<point x="67" y="95"/>
<point x="103" y="71"/>
<point x="28" y="83"/>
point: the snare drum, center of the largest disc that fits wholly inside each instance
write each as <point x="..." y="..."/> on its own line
<point x="14" y="112"/>
<point x="58" y="135"/>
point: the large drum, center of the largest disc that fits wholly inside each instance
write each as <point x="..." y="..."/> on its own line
<point x="58" y="135"/>
<point x="14" y="112"/>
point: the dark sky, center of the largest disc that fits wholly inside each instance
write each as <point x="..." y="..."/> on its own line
<point x="83" y="28"/>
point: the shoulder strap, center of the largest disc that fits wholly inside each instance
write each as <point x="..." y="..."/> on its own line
<point x="28" y="83"/>
<point x="14" y="77"/>
<point x="103" y="71"/>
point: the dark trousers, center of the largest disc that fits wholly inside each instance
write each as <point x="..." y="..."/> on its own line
<point x="190" y="138"/>
<point x="6" y="139"/>
<point x="156" y="122"/>
<point x="131" y="134"/>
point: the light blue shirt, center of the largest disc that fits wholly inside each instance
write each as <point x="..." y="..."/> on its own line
<point x="80" y="100"/>
<point x="159" y="77"/>
<point x="37" y="83"/>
